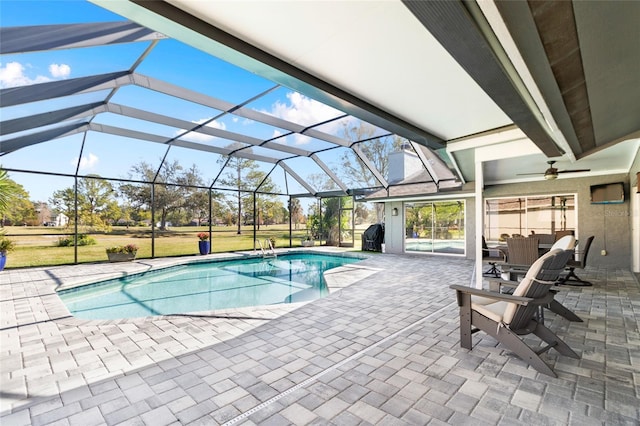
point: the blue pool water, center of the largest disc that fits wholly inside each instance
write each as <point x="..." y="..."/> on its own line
<point x="205" y="286"/>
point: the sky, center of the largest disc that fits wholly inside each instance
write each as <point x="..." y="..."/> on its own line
<point x="170" y="61"/>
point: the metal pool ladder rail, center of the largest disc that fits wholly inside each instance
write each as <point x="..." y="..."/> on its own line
<point x="267" y="249"/>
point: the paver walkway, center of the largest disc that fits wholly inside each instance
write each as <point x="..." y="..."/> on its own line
<point x="383" y="350"/>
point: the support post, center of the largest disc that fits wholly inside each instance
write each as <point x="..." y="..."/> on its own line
<point x="153" y="220"/>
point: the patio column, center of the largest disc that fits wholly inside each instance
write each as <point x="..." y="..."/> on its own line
<point x="512" y="147"/>
<point x="479" y="218"/>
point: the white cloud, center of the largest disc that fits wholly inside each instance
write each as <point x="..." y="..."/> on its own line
<point x="60" y="70"/>
<point x="87" y="162"/>
<point x="201" y="137"/>
<point x="13" y="75"/>
<point x="305" y="111"/>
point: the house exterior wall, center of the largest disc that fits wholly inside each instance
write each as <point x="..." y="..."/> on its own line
<point x="612" y="225"/>
<point x="609" y="223"/>
<point x="394" y="228"/>
<point x="395" y="225"/>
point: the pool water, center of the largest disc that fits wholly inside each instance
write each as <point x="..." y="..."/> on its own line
<point x="206" y="286"/>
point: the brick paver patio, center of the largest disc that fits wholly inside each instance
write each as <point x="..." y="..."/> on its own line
<point x="383" y="348"/>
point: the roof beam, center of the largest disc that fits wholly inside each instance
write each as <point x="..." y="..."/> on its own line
<point x="51" y="117"/>
<point x="372" y="168"/>
<point x="199" y="98"/>
<point x="426" y="163"/>
<point x="329" y="172"/>
<point x="70" y="36"/>
<point x="181" y="92"/>
<point x="57" y="89"/>
<point x="119" y="131"/>
<point x="20" y="142"/>
<point x="484" y="61"/>
<point x="297" y="177"/>
<point x="189" y="126"/>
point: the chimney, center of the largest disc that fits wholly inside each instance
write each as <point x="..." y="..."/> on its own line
<point x="403" y="163"/>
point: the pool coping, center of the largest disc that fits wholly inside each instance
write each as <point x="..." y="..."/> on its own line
<point x="165" y="263"/>
<point x="339" y="278"/>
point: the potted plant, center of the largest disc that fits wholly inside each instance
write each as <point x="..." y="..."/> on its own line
<point x="204" y="245"/>
<point x="307" y="242"/>
<point x="6" y="245"/>
<point x="122" y="253"/>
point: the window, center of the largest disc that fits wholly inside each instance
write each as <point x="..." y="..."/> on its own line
<point x="542" y="214"/>
<point x="435" y="227"/>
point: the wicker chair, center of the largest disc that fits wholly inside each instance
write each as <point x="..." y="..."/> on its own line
<point x="522" y="251"/>
<point x="506" y="317"/>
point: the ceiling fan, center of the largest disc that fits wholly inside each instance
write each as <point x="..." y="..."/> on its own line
<point x="552" y="173"/>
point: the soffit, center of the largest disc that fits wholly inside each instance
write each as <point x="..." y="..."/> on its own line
<point x="584" y="58"/>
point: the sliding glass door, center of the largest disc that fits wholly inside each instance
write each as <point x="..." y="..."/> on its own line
<point x="435" y="227"/>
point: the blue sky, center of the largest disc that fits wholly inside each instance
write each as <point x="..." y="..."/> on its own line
<point x="170" y="61"/>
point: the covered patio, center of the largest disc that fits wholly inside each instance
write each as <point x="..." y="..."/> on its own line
<point x="383" y="348"/>
<point x="479" y="107"/>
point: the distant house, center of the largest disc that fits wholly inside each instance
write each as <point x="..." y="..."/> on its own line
<point x="61" y="220"/>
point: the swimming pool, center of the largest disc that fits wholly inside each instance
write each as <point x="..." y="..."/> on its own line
<point x="206" y="286"/>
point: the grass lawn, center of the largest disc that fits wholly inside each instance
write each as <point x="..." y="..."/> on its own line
<point x="36" y="246"/>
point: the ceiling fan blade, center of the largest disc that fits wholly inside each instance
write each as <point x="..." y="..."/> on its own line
<point x="574" y="171"/>
<point x="528" y="174"/>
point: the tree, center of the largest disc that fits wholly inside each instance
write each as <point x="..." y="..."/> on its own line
<point x="14" y="200"/>
<point x="167" y="198"/>
<point x="21" y="210"/>
<point x="63" y="201"/>
<point x="97" y="206"/>
<point x="295" y="210"/>
<point x="244" y="176"/>
<point x="5" y="191"/>
<point x="376" y="150"/>
<point x="96" y="202"/>
<point x="327" y="226"/>
<point x="354" y="170"/>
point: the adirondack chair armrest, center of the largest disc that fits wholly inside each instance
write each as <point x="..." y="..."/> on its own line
<point x="495" y="284"/>
<point x="461" y="289"/>
<point x="514" y="267"/>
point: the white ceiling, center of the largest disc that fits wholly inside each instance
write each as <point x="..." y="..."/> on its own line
<point x="376" y="50"/>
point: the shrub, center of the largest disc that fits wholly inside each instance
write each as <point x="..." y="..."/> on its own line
<point x="83" y="240"/>
<point x="6" y="245"/>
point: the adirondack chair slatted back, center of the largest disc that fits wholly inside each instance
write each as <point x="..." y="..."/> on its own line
<point x="547" y="268"/>
<point x="522" y="251"/>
